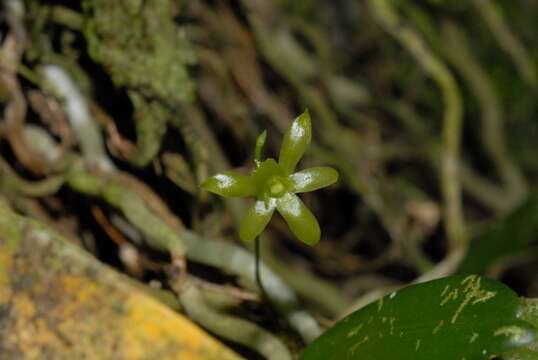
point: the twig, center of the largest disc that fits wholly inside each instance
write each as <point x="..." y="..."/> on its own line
<point x="11" y="182"/>
<point x="507" y="40"/>
<point x="452" y="118"/>
<point x="229" y="327"/>
<point x="457" y="51"/>
<point x="85" y="129"/>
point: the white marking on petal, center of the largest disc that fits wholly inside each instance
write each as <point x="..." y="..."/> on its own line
<point x="301" y="179"/>
<point x="224" y="180"/>
<point x="296" y="131"/>
<point x="293" y="206"/>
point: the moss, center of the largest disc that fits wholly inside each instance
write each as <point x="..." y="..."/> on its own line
<point x="141" y="47"/>
<point x="146" y="52"/>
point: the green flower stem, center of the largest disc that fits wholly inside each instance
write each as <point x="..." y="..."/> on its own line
<point x="238" y="261"/>
<point x="333" y="303"/>
<point x="257" y="259"/>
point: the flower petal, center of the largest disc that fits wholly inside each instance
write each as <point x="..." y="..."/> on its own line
<point x="256" y="219"/>
<point x="260" y="142"/>
<point x="299" y="218"/>
<point x="296" y="140"/>
<point x="230" y="184"/>
<point x="313" y="178"/>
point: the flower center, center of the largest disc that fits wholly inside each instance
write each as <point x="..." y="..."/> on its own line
<point x="276" y="187"/>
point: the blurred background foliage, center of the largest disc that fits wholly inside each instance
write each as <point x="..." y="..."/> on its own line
<point x="114" y="111"/>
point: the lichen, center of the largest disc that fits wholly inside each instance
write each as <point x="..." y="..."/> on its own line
<point x="438" y="327"/>
<point x="473" y="338"/>
<point x="60" y="303"/>
<point x="355" y="330"/>
<point x="141" y="47"/>
<point x="473" y="294"/>
<point x="516" y="334"/>
<point x="146" y="53"/>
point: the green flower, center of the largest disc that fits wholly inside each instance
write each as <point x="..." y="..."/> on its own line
<point x="275" y="185"/>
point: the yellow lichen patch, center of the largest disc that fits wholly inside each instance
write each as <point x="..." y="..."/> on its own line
<point x="355" y="330"/>
<point x="356" y="346"/>
<point x="515" y="334"/>
<point x="473" y="294"/>
<point x="59" y="303"/>
<point x="380" y="304"/>
<point x="5" y="264"/>
<point x="24" y="307"/>
<point x="438" y="327"/>
<point x="473" y="338"/>
<point x="28" y="333"/>
<point x="5" y="292"/>
<point x="147" y="324"/>
<point x="452" y="295"/>
<point x="6" y="259"/>
<point x="391" y="321"/>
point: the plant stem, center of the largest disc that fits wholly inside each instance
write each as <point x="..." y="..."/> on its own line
<point x="257" y="266"/>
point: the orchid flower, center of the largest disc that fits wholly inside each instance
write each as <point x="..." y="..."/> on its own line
<point x="275" y="185"/>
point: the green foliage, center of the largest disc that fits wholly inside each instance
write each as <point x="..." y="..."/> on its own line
<point x="514" y="233"/>
<point x="274" y="184"/>
<point x="452" y="318"/>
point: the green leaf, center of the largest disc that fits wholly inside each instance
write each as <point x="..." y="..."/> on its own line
<point x="313" y="178"/>
<point x="457" y="317"/>
<point x="256" y="219"/>
<point x="520" y="226"/>
<point x="295" y="142"/>
<point x="299" y="218"/>
<point x="522" y="354"/>
<point x="230" y="184"/>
